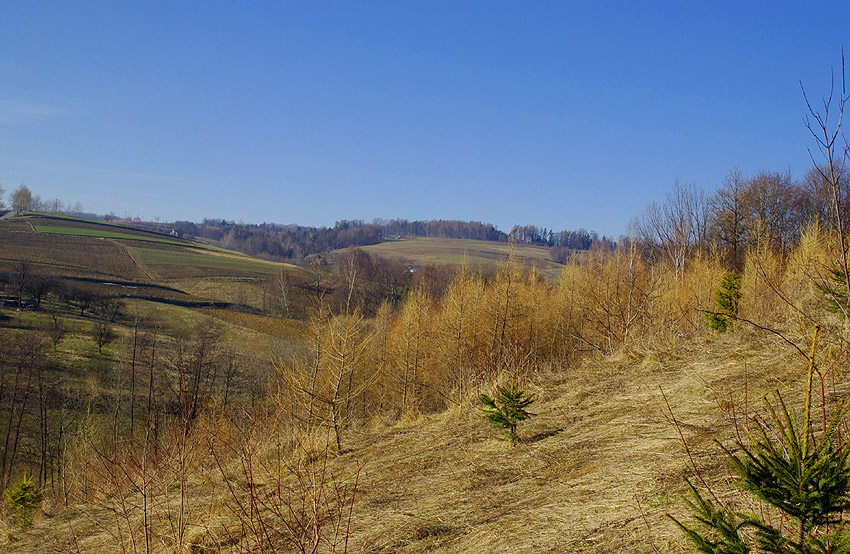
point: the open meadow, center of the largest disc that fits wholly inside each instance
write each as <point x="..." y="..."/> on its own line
<point x="422" y="251"/>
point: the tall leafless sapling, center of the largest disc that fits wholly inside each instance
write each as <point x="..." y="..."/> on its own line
<point x="825" y="126"/>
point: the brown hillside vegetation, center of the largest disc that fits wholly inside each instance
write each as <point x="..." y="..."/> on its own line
<point x="596" y="470"/>
<point x="366" y="434"/>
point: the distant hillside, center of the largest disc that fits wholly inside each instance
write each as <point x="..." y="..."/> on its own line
<point x="98" y="248"/>
<point x="296" y="242"/>
<point x="79" y="259"/>
<point x="73" y="252"/>
<point x="435" y="251"/>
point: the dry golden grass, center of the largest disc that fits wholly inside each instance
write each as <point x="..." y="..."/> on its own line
<point x="223" y="289"/>
<point x="596" y="471"/>
<point x="601" y="445"/>
<point x="263" y="324"/>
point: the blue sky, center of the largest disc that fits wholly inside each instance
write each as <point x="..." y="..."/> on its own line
<point x="561" y="114"/>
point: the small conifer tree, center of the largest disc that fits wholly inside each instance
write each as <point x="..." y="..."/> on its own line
<point x="725" y="303"/>
<point x="507" y="408"/>
<point x="23" y="498"/>
<point x="807" y="481"/>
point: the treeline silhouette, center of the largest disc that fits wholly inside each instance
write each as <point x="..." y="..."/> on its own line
<point x="296" y="242"/>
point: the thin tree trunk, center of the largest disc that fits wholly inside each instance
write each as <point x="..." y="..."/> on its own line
<point x="3" y="459"/>
<point x="133" y="376"/>
<point x="20" y="419"/>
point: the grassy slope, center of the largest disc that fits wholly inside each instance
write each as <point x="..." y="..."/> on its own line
<point x="97" y="249"/>
<point x="205" y="259"/>
<point x="197" y="272"/>
<point x="424" y="251"/>
<point x="601" y="446"/>
<point x="64" y="230"/>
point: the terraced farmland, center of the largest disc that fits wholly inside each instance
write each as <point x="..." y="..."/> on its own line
<point x="154" y="264"/>
<point x="185" y="262"/>
<point x="67" y="254"/>
<point x="99" y="233"/>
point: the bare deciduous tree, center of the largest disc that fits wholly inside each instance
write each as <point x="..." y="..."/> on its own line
<point x="817" y="198"/>
<point x="772" y="207"/>
<point x="22" y="199"/>
<point x="26" y="358"/>
<point x="728" y="217"/>
<point x="825" y="126"/>
<point x="677" y="226"/>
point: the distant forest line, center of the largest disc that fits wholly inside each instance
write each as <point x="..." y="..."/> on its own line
<point x="295" y="242"/>
<point x="766" y="209"/>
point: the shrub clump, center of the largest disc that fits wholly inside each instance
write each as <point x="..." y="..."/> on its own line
<point x="23" y="498"/>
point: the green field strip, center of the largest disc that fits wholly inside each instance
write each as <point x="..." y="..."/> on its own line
<point x="118" y="227"/>
<point x="153" y="256"/>
<point x="142" y="267"/>
<point x="71" y="218"/>
<point x="97" y="233"/>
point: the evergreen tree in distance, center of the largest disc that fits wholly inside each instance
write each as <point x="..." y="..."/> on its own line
<point x="725" y="303"/>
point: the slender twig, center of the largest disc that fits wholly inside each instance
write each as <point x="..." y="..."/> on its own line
<point x="648" y="529"/>
<point x="687" y="449"/>
<point x="747" y="402"/>
<point x="809" y="392"/>
<point x="760" y="327"/>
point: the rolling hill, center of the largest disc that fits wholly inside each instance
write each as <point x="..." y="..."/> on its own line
<point x="421" y="251"/>
<point x="161" y="266"/>
<point x="597" y="470"/>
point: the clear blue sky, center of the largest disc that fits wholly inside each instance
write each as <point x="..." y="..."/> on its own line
<point x="562" y="114"/>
